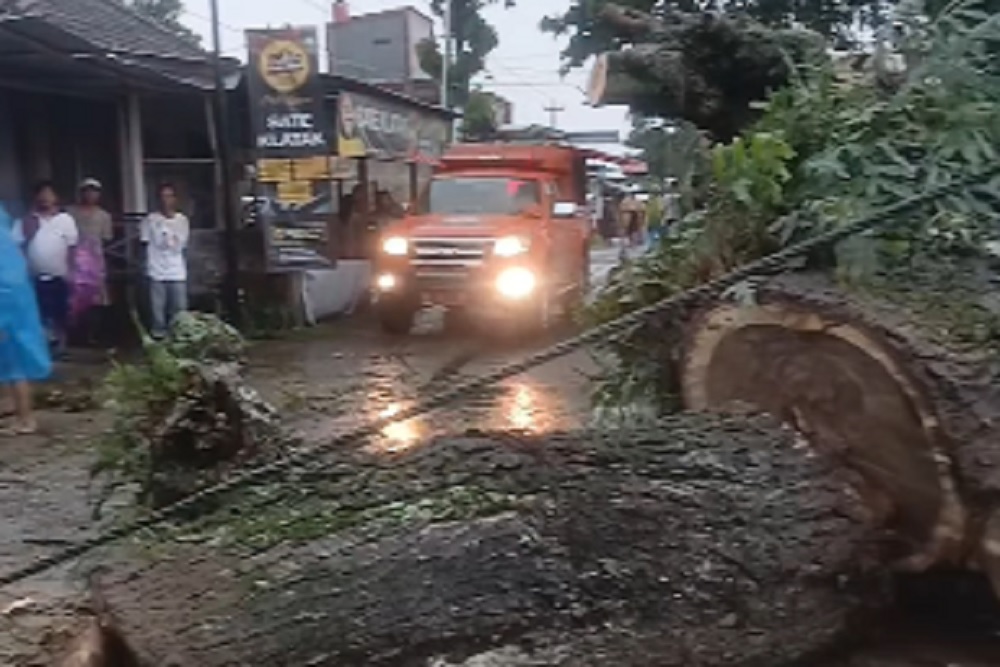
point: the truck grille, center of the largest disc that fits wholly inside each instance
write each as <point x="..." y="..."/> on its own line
<point x="444" y="259"/>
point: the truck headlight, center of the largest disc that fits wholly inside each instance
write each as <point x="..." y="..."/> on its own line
<point x="395" y="245"/>
<point x="386" y="282"/>
<point x="510" y="246"/>
<point x="516" y="282"/>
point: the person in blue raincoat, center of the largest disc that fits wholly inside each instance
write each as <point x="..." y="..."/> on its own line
<point x="24" y="351"/>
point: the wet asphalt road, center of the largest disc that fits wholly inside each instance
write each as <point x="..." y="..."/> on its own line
<point x="324" y="381"/>
<point x="337" y="376"/>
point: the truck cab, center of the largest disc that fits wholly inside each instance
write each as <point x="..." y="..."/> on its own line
<point x="499" y="234"/>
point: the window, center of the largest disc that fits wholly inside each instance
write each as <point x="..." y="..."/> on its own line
<point x="481" y="195"/>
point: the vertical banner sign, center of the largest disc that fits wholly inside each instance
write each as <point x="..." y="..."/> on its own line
<point x="292" y="136"/>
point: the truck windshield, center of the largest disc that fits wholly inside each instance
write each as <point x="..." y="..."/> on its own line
<point x="489" y="195"/>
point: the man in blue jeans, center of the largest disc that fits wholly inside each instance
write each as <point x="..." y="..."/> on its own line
<point x="165" y="233"/>
<point x="48" y="236"/>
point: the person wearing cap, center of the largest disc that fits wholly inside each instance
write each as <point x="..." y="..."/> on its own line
<point x="89" y="281"/>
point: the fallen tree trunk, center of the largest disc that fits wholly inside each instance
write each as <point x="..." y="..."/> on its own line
<point x="900" y="381"/>
<point x="704" y="540"/>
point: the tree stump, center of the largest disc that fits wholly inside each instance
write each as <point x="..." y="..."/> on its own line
<point x="893" y="388"/>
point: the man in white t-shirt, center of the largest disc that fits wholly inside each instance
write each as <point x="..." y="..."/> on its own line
<point x="165" y="233"/>
<point x="48" y="236"/>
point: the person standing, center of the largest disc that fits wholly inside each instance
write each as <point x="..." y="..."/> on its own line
<point x="89" y="285"/>
<point x="48" y="236"/>
<point x="165" y="234"/>
<point x="24" y="356"/>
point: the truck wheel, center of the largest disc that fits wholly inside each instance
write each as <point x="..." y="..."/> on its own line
<point x="396" y="321"/>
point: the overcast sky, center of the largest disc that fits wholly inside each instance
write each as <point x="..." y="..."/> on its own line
<point x="524" y="68"/>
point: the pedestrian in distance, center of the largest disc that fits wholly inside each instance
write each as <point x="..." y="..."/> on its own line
<point x="48" y="236"/>
<point x="165" y="233"/>
<point x="88" y="290"/>
<point x="24" y="355"/>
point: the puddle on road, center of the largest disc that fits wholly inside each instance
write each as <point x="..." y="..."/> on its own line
<point x="399" y="436"/>
<point x="520" y="406"/>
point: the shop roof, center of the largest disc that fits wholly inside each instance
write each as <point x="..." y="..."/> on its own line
<point x="108" y="25"/>
<point x="338" y="82"/>
<point x="89" y="46"/>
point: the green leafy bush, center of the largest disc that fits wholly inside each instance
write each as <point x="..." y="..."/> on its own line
<point x="152" y="400"/>
<point x="204" y="337"/>
<point x="824" y="152"/>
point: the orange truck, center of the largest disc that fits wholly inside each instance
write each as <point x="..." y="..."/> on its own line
<point x="499" y="235"/>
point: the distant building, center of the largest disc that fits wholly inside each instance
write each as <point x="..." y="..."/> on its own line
<point x="381" y="48"/>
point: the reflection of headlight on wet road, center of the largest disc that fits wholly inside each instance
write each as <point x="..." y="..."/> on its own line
<point x="520" y="413"/>
<point x="395" y="245"/>
<point x="516" y="282"/>
<point x="386" y="282"/>
<point x="401" y="435"/>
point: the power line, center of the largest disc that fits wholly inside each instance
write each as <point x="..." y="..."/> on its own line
<point x="310" y="457"/>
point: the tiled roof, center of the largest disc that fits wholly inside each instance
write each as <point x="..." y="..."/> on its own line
<point x="109" y="25"/>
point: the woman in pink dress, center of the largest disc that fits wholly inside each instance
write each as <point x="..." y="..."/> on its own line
<point x="88" y="287"/>
<point x="87" y="284"/>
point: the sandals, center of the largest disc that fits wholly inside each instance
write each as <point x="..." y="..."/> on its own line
<point x="19" y="429"/>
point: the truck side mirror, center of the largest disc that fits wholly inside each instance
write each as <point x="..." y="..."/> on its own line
<point x="564" y="209"/>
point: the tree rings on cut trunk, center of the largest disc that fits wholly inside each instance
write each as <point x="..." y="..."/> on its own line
<point x="841" y="386"/>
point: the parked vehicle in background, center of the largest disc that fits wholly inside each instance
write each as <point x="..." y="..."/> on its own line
<point x="500" y="235"/>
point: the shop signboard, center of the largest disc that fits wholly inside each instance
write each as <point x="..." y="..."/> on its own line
<point x="382" y="129"/>
<point x="292" y="137"/>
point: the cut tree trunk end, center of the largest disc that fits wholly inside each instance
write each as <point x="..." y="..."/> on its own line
<point x="870" y="380"/>
<point x="701" y="541"/>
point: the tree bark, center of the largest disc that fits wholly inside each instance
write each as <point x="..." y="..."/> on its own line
<point x="700" y="541"/>
<point x="896" y="386"/>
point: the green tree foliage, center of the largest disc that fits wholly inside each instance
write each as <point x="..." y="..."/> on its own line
<point x="590" y="34"/>
<point x="473" y="40"/>
<point x="479" y="122"/>
<point x="707" y="69"/>
<point x="168" y="14"/>
<point x="823" y="153"/>
<point x="159" y="398"/>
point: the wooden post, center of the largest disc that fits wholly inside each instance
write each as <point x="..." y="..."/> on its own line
<point x="137" y="197"/>
<point x="357" y="230"/>
<point x="414" y="182"/>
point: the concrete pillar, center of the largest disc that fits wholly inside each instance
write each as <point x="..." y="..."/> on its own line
<point x="11" y="187"/>
<point x="132" y="156"/>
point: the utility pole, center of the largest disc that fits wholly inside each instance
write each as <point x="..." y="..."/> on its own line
<point x="554" y="110"/>
<point x="446" y="60"/>
<point x="231" y="286"/>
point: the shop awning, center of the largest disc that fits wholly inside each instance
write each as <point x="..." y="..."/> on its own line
<point x="93" y="47"/>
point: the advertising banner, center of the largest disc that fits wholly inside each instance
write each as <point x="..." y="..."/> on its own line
<point x="368" y="127"/>
<point x="286" y="94"/>
<point x="292" y="137"/>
